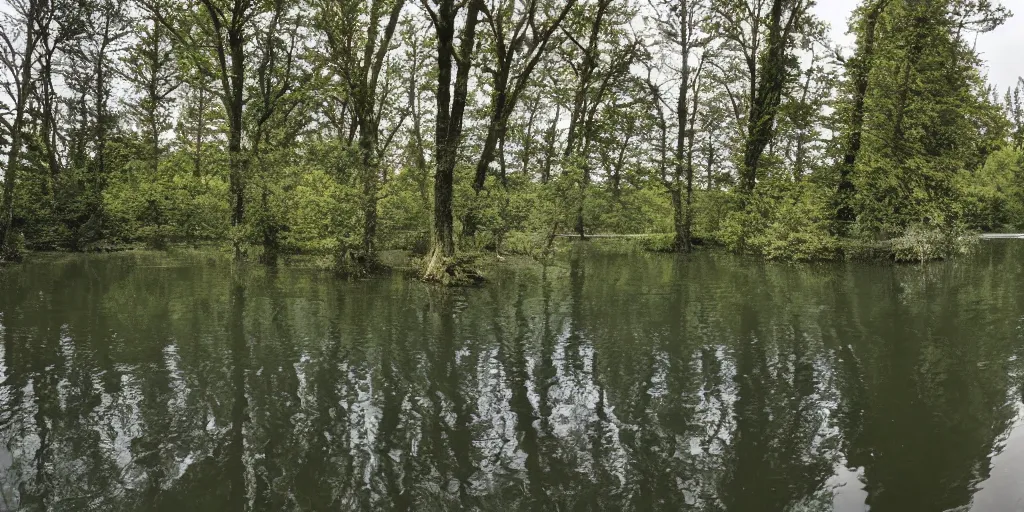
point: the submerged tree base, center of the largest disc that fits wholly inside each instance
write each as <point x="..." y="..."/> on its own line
<point x="454" y="271"/>
<point x="355" y="264"/>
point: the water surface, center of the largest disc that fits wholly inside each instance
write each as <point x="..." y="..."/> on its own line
<point x="154" y="382"/>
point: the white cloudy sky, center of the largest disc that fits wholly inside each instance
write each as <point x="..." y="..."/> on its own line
<point x="1001" y="48"/>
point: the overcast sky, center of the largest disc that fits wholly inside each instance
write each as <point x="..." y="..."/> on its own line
<point x="1002" y="49"/>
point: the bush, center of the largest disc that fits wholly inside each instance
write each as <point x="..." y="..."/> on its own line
<point x="781" y="221"/>
<point x="657" y="243"/>
<point x="992" y="198"/>
<point x="798" y="231"/>
<point x="920" y="243"/>
<point x="523" y="243"/>
<point x="15" y="248"/>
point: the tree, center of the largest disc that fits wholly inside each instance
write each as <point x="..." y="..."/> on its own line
<point x="93" y="57"/>
<point x="859" y="69"/>
<point x="151" y="68"/>
<point x="927" y="115"/>
<point x="763" y="32"/>
<point x="275" y="92"/>
<point x="20" y="35"/>
<point x="451" y="108"/>
<point x="680" y="30"/>
<point x="518" y="41"/>
<point x="215" y="44"/>
<point x="357" y="59"/>
<point x="595" y="80"/>
<point x="200" y="123"/>
<point x="1014" y="104"/>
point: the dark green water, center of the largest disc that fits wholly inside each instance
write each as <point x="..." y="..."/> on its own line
<point x="148" y="382"/>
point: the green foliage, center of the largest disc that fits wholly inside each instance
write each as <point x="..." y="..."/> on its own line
<point x="171" y="208"/>
<point x="305" y="151"/>
<point x="781" y="220"/>
<point x="405" y="213"/>
<point x="645" y="210"/>
<point x="525" y="243"/>
<point x="14" y="249"/>
<point x="920" y="243"/>
<point x="657" y="242"/>
<point x="993" y="196"/>
<point x="709" y="208"/>
<point x="928" y="118"/>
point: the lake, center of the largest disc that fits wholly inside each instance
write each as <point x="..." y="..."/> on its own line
<point x="146" y="381"/>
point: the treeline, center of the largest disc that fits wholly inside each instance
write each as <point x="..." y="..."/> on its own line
<point x="350" y="126"/>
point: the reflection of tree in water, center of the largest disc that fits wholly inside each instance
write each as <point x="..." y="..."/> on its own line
<point x="697" y="439"/>
<point x="59" y="391"/>
<point x="698" y="384"/>
<point x="929" y="383"/>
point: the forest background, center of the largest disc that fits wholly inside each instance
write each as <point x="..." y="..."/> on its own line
<point x="348" y="127"/>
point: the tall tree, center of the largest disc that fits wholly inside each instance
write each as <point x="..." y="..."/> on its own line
<point x="359" y="35"/>
<point x="151" y="68"/>
<point x="763" y="32"/>
<point x="1014" y="104"/>
<point x="271" y="120"/>
<point x="93" y="58"/>
<point x="859" y="69"/>
<point x="518" y="39"/>
<point x="679" y="27"/>
<point x="200" y="126"/>
<point x="214" y="39"/>
<point x="20" y="35"/>
<point x="451" y="108"/>
<point x="925" y="113"/>
<point x="595" y="81"/>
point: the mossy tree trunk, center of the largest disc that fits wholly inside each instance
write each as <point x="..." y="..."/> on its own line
<point x="451" y="106"/>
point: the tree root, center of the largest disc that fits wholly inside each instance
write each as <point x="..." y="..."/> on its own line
<point x="355" y="264"/>
<point x="456" y="271"/>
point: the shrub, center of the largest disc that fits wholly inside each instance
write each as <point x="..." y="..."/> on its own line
<point x="657" y="242"/>
<point x="920" y="243"/>
<point x="781" y="221"/>
<point x="798" y="231"/>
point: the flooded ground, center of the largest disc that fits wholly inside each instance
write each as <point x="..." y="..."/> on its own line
<point x="154" y="382"/>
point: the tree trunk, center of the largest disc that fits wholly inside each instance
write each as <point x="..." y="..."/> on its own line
<point x="49" y="123"/>
<point x="766" y="99"/>
<point x="549" y="142"/>
<point x="197" y="158"/>
<point x="495" y="131"/>
<point x="237" y="164"/>
<point x="154" y="98"/>
<point x="862" y="65"/>
<point x="451" y="105"/>
<point x="23" y="86"/>
<point x="679" y="216"/>
<point x="418" y="159"/>
<point x="371" y="178"/>
<point x="584" y="184"/>
<point x="10" y="176"/>
<point x="683" y="165"/>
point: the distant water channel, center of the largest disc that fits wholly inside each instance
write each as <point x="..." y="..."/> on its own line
<point x="143" y="381"/>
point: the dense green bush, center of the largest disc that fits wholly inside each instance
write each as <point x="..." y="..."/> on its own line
<point x="786" y="221"/>
<point x="992" y="198"/>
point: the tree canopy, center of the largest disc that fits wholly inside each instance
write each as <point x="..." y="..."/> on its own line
<point x="348" y="127"/>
